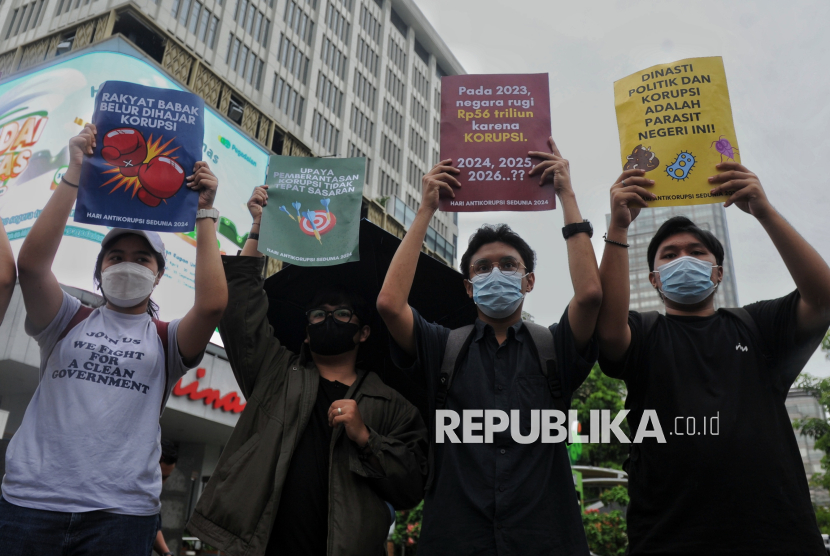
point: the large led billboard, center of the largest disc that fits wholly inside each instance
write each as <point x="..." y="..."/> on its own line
<point x="41" y="111"/>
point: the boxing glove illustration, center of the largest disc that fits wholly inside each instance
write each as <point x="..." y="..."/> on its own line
<point x="126" y="148"/>
<point x="148" y="199"/>
<point x="162" y="177"/>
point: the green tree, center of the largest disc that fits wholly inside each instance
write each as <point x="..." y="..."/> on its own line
<point x="607" y="532"/>
<point x="601" y="392"/>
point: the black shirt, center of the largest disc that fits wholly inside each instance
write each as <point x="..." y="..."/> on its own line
<point x="502" y="498"/>
<point x="301" y="525"/>
<point x="742" y="491"/>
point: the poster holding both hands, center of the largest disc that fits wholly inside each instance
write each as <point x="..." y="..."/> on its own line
<point x="313" y="213"/>
<point x="675" y="122"/>
<point x="489" y="123"/>
<point x="148" y="141"/>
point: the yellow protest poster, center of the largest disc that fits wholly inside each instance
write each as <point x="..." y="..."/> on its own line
<point x="675" y="123"/>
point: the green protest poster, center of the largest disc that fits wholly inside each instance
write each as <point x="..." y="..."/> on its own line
<point x="313" y="213"/>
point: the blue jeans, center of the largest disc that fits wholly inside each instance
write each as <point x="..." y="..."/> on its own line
<point x="28" y="532"/>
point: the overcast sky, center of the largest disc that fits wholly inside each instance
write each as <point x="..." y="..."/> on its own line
<point x="776" y="55"/>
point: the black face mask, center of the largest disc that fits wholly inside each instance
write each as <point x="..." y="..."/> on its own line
<point x="332" y="337"/>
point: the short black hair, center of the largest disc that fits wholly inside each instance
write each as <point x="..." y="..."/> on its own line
<point x="492" y="234"/>
<point x="169" y="452"/>
<point x="679" y="225"/>
<point x="338" y="295"/>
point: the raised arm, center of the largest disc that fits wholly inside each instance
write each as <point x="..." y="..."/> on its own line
<point x="258" y="200"/>
<point x="582" y="262"/>
<point x="808" y="270"/>
<point x="41" y="292"/>
<point x="198" y="325"/>
<point x="248" y="336"/>
<point x="393" y="300"/>
<point x="8" y="272"/>
<point x="628" y="196"/>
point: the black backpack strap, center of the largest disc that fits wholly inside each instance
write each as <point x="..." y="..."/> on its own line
<point x="545" y="351"/>
<point x="457" y="344"/>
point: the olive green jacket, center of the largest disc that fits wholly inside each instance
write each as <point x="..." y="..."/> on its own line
<point x="237" y="509"/>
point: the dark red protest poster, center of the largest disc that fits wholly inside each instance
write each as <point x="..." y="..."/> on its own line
<point x="488" y="125"/>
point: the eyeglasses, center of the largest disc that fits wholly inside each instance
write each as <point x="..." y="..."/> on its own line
<point x="507" y="265"/>
<point x="319" y="315"/>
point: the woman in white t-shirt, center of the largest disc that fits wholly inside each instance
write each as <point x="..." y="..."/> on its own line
<point x="82" y="472"/>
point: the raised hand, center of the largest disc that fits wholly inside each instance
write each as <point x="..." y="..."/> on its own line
<point x="204" y="181"/>
<point x="258" y="199"/>
<point x="553" y="169"/>
<point x="743" y="187"/>
<point x="437" y="183"/>
<point x="628" y="196"/>
<point x="82" y="145"/>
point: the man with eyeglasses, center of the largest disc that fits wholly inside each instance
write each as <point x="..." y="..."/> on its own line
<point x="323" y="451"/>
<point x="501" y="497"/>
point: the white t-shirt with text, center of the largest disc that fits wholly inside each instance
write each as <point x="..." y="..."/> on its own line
<point x="90" y="437"/>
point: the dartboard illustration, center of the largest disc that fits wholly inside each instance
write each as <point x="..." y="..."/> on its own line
<point x="324" y="221"/>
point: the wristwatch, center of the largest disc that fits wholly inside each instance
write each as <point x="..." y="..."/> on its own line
<point x="578" y="228"/>
<point x="207" y="213"/>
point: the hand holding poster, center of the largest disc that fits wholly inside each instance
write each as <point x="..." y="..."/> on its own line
<point x="489" y="123"/>
<point x="147" y="144"/>
<point x="675" y="123"/>
<point x="313" y="213"/>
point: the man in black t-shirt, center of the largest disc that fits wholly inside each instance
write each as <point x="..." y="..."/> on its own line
<point x="728" y="477"/>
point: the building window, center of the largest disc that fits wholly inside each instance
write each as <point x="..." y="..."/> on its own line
<point x="299" y="21"/>
<point x="338" y="23"/>
<point x="369" y="23"/>
<point x="397" y="54"/>
<point x="333" y="58"/>
<point x="393" y="119"/>
<point x="185" y="12"/>
<point x="288" y="100"/>
<point x="293" y="59"/>
<point x="194" y="17"/>
<point x="395" y="86"/>
<point x="329" y="94"/>
<point x="362" y="125"/>
<point x="354" y="152"/>
<point x="211" y="38"/>
<point x="417" y="144"/>
<point x="390" y="152"/>
<point x="367" y="56"/>
<point x="203" y="25"/>
<point x="419" y="112"/>
<point x="324" y="132"/>
<point x="364" y="90"/>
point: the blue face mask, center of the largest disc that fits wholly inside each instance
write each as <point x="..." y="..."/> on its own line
<point x="498" y="296"/>
<point x="686" y="280"/>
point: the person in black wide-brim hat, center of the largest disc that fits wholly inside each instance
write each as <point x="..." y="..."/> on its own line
<point x="324" y="451"/>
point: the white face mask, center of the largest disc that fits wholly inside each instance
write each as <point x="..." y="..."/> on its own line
<point x="127" y="284"/>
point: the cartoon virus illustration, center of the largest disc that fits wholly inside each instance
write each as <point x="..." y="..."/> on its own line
<point x="680" y="168"/>
<point x="725" y="148"/>
<point x="642" y="158"/>
<point x="146" y="167"/>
